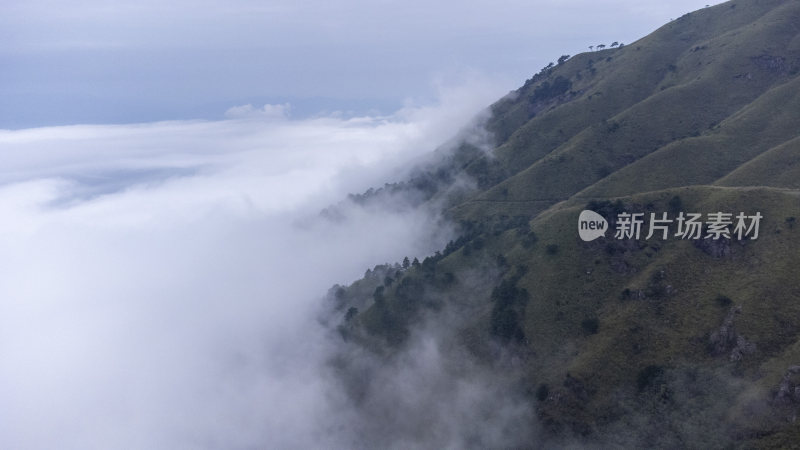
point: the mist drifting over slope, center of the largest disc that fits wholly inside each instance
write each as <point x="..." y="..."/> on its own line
<point x="160" y="283"/>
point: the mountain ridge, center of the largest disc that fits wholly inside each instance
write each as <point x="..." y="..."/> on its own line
<point x="640" y="342"/>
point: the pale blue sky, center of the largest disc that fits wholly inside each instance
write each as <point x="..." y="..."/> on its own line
<point x="95" y="61"/>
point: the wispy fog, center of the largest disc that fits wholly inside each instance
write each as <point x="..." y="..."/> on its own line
<point x="159" y="283"/>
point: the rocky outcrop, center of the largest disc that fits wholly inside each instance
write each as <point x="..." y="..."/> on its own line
<point x="727" y="341"/>
<point x="717" y="248"/>
<point x="789" y="388"/>
<point x="770" y="63"/>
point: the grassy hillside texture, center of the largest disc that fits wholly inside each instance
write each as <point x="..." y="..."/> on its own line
<point x="669" y="343"/>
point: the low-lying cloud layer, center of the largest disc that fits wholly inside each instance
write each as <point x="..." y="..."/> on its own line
<point x="159" y="282"/>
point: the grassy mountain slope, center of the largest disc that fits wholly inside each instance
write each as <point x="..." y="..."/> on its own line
<point x="665" y="343"/>
<point x="624" y="104"/>
<point x="777" y="167"/>
<point x="763" y="124"/>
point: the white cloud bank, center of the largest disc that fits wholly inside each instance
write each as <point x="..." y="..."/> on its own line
<point x="155" y="290"/>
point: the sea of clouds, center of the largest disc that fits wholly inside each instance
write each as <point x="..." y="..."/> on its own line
<point x="160" y="283"/>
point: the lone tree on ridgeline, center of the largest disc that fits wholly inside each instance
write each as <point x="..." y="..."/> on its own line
<point x="591" y="47"/>
<point x="601" y="46"/>
<point x="563" y="58"/>
<point x="614" y="44"/>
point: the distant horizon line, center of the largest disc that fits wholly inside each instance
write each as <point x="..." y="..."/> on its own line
<point x="301" y="108"/>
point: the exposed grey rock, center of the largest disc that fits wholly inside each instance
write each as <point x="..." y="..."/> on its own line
<point x="770" y="63"/>
<point x="727" y="340"/>
<point x="789" y="388"/>
<point x="742" y="348"/>
<point x="724" y="338"/>
<point x="718" y="248"/>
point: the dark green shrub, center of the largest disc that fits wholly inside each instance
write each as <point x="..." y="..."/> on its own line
<point x="723" y="300"/>
<point x="647" y="376"/>
<point x="590" y="326"/>
<point x="542" y="392"/>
